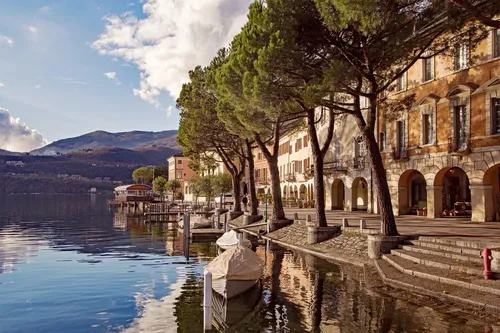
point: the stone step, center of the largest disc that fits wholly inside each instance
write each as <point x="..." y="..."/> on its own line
<point x="462" y="243"/>
<point x="440" y="262"/>
<point x="442" y="253"/>
<point x="476" y="299"/>
<point x="446" y="276"/>
<point x="445" y="247"/>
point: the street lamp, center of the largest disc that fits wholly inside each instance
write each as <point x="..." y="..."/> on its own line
<point x="266" y="192"/>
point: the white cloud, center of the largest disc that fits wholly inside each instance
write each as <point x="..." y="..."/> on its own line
<point x="2" y="84"/>
<point x="32" y="29"/>
<point x="44" y="10"/>
<point x="70" y="80"/>
<point x="112" y="76"/>
<point x="172" y="39"/>
<point x="16" y="136"/>
<point x="6" y="40"/>
<point x="37" y="86"/>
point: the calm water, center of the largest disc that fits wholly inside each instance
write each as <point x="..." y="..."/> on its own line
<point x="67" y="264"/>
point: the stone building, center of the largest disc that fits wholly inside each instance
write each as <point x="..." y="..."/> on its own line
<point x="443" y="156"/>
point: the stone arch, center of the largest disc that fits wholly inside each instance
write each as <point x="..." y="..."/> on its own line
<point x="303" y="192"/>
<point x="412" y="193"/>
<point x="285" y="193"/>
<point x="187" y="190"/>
<point x="451" y="192"/>
<point x="338" y="194"/>
<point x="245" y="188"/>
<point x="359" y="191"/>
<point x="295" y="192"/>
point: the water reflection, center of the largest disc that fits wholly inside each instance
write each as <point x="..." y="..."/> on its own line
<point x="68" y="264"/>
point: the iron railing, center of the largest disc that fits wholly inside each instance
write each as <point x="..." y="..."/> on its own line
<point x="335" y="165"/>
<point x="358" y="163"/>
<point x="399" y="153"/>
<point x="459" y="143"/>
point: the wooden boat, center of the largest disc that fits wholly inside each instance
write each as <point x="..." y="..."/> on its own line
<point x="230" y="239"/>
<point x="235" y="311"/>
<point x="235" y="271"/>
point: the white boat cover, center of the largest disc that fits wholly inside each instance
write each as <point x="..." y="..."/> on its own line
<point x="237" y="263"/>
<point x="230" y="239"/>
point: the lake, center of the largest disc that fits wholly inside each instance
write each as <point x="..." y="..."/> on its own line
<point x="68" y="264"/>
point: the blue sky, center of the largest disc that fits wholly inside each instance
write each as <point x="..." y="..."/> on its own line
<point x="68" y="67"/>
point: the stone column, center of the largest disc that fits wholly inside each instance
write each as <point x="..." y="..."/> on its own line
<point x="483" y="209"/>
<point x="348" y="199"/>
<point x="403" y="204"/>
<point x="434" y="201"/>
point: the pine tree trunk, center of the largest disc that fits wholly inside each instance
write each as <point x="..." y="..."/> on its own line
<point x="319" y="186"/>
<point x="237" y="191"/>
<point x="254" y="204"/>
<point x="278" y="211"/>
<point x="388" y="222"/>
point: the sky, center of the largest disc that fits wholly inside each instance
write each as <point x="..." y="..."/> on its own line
<point x="69" y="67"/>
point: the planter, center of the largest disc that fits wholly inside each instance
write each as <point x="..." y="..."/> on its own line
<point x="278" y="224"/>
<point x="378" y="244"/>
<point x="320" y="234"/>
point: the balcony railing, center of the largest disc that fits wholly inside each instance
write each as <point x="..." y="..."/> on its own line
<point x="358" y="163"/>
<point x="262" y="180"/>
<point x="290" y="177"/>
<point x="459" y="144"/>
<point x="335" y="165"/>
<point x="399" y="154"/>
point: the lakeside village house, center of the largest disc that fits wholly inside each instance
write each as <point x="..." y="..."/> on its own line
<point x="442" y="156"/>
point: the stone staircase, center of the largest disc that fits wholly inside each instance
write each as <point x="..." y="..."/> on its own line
<point x="444" y="268"/>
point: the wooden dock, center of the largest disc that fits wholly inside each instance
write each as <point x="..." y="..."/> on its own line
<point x="200" y="235"/>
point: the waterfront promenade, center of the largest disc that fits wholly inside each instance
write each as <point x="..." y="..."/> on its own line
<point x="412" y="224"/>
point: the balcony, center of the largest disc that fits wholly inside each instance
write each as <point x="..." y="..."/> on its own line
<point x="262" y="180"/>
<point x="358" y="163"/>
<point x="290" y="177"/>
<point x="399" y="154"/>
<point x="337" y="165"/>
<point x="459" y="145"/>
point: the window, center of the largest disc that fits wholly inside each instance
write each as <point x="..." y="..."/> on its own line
<point x="496" y="43"/>
<point x="400" y="134"/>
<point x="299" y="144"/>
<point x="495" y="115"/>
<point x="401" y="82"/>
<point x="305" y="140"/>
<point x="427" y="129"/>
<point x="460" y="57"/>
<point x="382" y="141"/>
<point x="460" y="139"/>
<point x="290" y="148"/>
<point x="359" y="146"/>
<point x="428" y="69"/>
<point x="178" y="174"/>
<point x="179" y="161"/>
<point x="363" y="102"/>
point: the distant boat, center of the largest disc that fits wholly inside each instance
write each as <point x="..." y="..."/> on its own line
<point x="230" y="239"/>
<point x="235" y="271"/>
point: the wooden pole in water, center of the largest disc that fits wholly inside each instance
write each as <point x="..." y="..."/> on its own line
<point x="207" y="301"/>
<point x="187" y="227"/>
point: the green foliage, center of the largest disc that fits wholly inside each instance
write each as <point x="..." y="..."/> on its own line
<point x="159" y="185"/>
<point x="161" y="171"/>
<point x="222" y="183"/>
<point x="173" y="185"/>
<point x="143" y="175"/>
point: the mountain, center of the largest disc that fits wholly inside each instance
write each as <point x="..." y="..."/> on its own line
<point x="6" y="152"/>
<point x="134" y="140"/>
<point x="98" y="159"/>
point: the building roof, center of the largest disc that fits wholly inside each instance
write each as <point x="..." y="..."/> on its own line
<point x="139" y="187"/>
